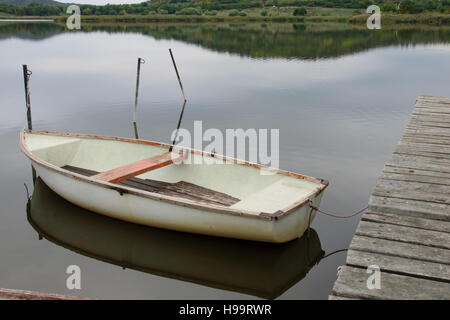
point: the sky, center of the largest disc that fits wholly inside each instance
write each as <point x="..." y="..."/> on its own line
<point x="101" y="2"/>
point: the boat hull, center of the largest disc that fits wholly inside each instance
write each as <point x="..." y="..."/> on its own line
<point x="173" y="216"/>
<point x="215" y="262"/>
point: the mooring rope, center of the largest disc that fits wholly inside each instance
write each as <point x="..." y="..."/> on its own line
<point x="313" y="207"/>
<point x="28" y="193"/>
<point x="334" y="215"/>
<point x="334" y="252"/>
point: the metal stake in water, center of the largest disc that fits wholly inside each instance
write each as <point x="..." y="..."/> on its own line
<point x="184" y="103"/>
<point x="26" y="77"/>
<point x="178" y="75"/>
<point x="140" y="61"/>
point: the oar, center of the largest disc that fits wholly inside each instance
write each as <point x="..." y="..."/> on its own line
<point x="184" y="103"/>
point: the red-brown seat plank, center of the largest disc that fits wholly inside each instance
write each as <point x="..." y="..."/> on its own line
<point x="139" y="167"/>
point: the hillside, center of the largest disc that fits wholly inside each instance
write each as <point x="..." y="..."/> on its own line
<point x="26" y="2"/>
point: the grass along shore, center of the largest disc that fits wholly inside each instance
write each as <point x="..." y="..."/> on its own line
<point x="436" y="19"/>
<point x="279" y="14"/>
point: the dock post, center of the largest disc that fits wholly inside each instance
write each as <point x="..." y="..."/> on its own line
<point x="140" y="61"/>
<point x="26" y="78"/>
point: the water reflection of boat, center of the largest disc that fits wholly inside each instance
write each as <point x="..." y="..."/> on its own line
<point x="260" y="269"/>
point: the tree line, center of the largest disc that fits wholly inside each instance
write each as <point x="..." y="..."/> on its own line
<point x="199" y="7"/>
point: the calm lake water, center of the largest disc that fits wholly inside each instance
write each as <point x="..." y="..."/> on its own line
<point x="341" y="98"/>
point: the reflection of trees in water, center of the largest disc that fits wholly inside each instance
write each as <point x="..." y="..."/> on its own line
<point x="258" y="40"/>
<point x="32" y="31"/>
<point x="297" y="41"/>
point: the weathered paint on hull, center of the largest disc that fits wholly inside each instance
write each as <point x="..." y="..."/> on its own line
<point x="162" y="214"/>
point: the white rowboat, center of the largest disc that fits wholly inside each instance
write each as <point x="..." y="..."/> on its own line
<point x="222" y="196"/>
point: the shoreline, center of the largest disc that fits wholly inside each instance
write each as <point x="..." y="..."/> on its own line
<point x="182" y="18"/>
<point x="386" y="19"/>
<point x="25" y="20"/>
<point x="405" y="19"/>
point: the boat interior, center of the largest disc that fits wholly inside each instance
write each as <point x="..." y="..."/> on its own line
<point x="181" y="189"/>
<point x="200" y="178"/>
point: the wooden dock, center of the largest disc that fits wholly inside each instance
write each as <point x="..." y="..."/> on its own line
<point x="406" y="229"/>
<point x="14" y="294"/>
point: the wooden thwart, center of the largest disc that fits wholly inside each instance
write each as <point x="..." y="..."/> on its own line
<point x="139" y="167"/>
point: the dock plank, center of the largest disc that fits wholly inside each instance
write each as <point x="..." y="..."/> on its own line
<point x="332" y="297"/>
<point x="435" y="109"/>
<point x="415" y="178"/>
<point x="414" y="123"/>
<point x="430" y="238"/>
<point x="406" y="171"/>
<point x="352" y="283"/>
<point x="399" y="265"/>
<point x="428" y="140"/>
<point x="415" y="208"/>
<point x="417" y="116"/>
<point x="17" y="294"/>
<point x="400" y="249"/>
<point x="406" y="221"/>
<point x="442" y="132"/>
<point x="419" y="162"/>
<point x="413" y="186"/>
<point x="408" y="147"/>
<point x="412" y="195"/>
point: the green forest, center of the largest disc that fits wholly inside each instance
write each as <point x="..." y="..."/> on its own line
<point x="211" y="7"/>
